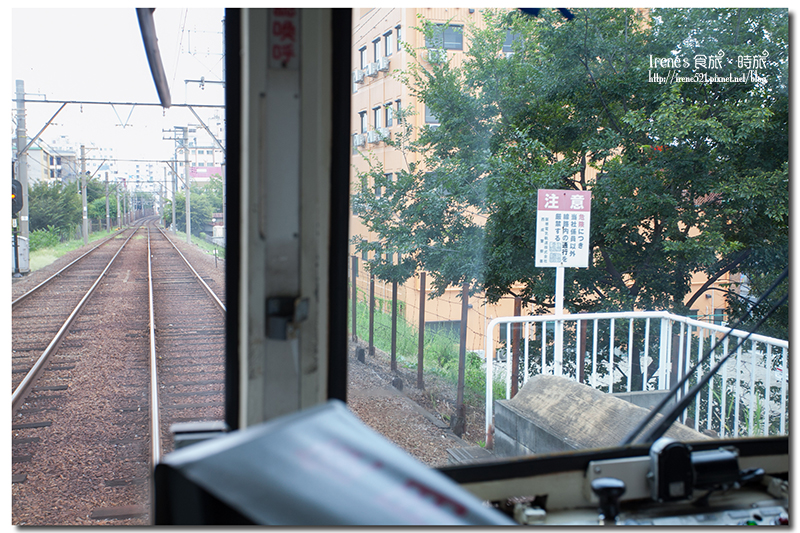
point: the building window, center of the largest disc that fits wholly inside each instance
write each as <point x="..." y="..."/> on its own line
<point x="376" y="117"/>
<point x="362" y="57"/>
<point x="447" y="37"/>
<point x="387" y="43"/>
<point x="508" y="46"/>
<point x="430" y="118"/>
<point x="397" y="107"/>
<point x="376" y="48"/>
<point x="719" y="316"/>
<point x="364" y="251"/>
<point x="399" y="36"/>
<point x="388" y="115"/>
<point x="363" y="118"/>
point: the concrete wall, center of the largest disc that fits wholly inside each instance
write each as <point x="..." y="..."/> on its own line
<point x="556" y="414"/>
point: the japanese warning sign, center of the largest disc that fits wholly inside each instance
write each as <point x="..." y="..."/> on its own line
<point x="562" y="228"/>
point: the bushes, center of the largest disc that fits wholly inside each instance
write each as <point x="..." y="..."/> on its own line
<point x="44" y="238"/>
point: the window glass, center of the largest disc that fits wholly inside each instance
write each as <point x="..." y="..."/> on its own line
<point x="389" y="115"/>
<point x="363" y="120"/>
<point x="450" y="211"/>
<point x="449" y="37"/>
<point x="376" y="117"/>
<point x="387" y="44"/>
<point x="430" y="118"/>
<point x="376" y="49"/>
<point x="362" y="57"/>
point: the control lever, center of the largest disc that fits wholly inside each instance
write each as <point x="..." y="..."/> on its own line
<point x="609" y="490"/>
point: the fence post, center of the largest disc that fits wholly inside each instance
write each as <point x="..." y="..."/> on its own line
<point x="355" y="293"/>
<point x="581" y="350"/>
<point x="421" y="349"/>
<point x="460" y="418"/>
<point x="515" y="347"/>
<point x="372" y="314"/>
<point x="394" y="326"/>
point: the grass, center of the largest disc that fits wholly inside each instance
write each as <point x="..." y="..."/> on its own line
<point x="46" y="256"/>
<point x="201" y="243"/>
<point x="440" y="350"/>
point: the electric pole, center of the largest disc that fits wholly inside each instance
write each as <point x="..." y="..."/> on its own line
<point x="108" y="212"/>
<point x="22" y="176"/>
<point x="83" y="196"/>
<point x="116" y="190"/>
<point x="188" y="185"/>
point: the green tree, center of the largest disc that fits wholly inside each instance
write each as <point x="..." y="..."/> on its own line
<point x="52" y="204"/>
<point x="205" y="201"/>
<point x="693" y="177"/>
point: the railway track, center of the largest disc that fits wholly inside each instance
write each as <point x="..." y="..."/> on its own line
<point x="85" y="434"/>
<point x="39" y="314"/>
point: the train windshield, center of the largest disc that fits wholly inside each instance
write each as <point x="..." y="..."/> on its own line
<point x="559" y="216"/>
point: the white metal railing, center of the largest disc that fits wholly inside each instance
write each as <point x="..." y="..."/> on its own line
<point x="648" y="351"/>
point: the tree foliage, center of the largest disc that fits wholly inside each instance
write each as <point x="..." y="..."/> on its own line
<point x="692" y="173"/>
<point x="53" y="204"/>
<point x="206" y="200"/>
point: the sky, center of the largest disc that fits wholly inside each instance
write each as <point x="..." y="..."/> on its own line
<point x="97" y="55"/>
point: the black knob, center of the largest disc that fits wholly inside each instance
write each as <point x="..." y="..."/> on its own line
<point x="609" y="490"/>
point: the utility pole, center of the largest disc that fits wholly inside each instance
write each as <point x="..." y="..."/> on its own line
<point x="188" y="185"/>
<point x="163" y="193"/>
<point x="116" y="188"/>
<point x="174" y="190"/>
<point x="126" y="204"/>
<point x="108" y="211"/>
<point x="22" y="174"/>
<point x="83" y="196"/>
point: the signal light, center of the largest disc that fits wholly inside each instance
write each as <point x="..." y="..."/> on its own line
<point x="16" y="197"/>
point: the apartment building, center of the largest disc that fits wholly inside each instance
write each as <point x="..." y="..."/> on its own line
<point x="379" y="39"/>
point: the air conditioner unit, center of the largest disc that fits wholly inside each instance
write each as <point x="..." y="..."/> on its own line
<point x="384" y="133"/>
<point x="372" y="69"/>
<point x="358" y="140"/>
<point x="358" y="76"/>
<point x="383" y="64"/>
<point x="373" y="136"/>
<point x="437" y="55"/>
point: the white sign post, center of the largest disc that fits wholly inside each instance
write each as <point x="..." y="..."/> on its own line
<point x="562" y="240"/>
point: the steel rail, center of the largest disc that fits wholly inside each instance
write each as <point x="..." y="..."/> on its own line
<point x="155" y="423"/>
<point x="51" y="278"/>
<point x="22" y="391"/>
<point x="200" y="279"/>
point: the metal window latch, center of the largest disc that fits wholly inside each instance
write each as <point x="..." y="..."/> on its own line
<point x="284" y="313"/>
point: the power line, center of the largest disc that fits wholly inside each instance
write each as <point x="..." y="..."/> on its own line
<point x="145" y="104"/>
